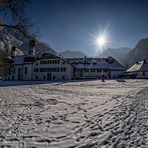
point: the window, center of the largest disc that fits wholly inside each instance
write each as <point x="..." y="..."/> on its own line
<point x="40" y="69"/>
<point x="52" y="69"/>
<point x="93" y="70"/>
<point x="44" y="62"/>
<point x="36" y="70"/>
<point x="50" y="62"/>
<point x="57" y="61"/>
<point x="63" y="69"/>
<point x="105" y="70"/>
<point x="48" y="69"/>
<point x="56" y="69"/>
<point x="143" y="73"/>
<point x="86" y="70"/>
<point x="98" y="70"/>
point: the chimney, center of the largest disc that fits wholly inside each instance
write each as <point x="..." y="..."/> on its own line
<point x="85" y="59"/>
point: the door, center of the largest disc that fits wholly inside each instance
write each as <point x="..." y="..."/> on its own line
<point x="49" y="76"/>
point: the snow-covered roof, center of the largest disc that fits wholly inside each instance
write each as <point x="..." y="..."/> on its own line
<point x="78" y="63"/>
<point x="89" y="60"/>
<point x="101" y="65"/>
<point x="96" y="63"/>
<point x="139" y="66"/>
<point x="19" y="59"/>
<point x="23" y="59"/>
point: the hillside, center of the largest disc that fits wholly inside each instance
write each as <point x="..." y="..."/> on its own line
<point x="118" y="53"/>
<point x="140" y="52"/>
<point x="72" y="54"/>
<point x="40" y="48"/>
<point x="9" y="38"/>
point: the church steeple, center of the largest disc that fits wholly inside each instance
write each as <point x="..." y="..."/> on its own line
<point x="32" y="44"/>
<point x="13" y="52"/>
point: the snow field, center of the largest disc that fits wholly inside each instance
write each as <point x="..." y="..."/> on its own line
<point x="73" y="114"/>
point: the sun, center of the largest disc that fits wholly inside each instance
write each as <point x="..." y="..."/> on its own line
<point x="101" y="41"/>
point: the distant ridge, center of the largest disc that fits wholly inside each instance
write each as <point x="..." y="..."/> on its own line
<point x="72" y="54"/>
<point x="11" y="38"/>
<point x="117" y="53"/>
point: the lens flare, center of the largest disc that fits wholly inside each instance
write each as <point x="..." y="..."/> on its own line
<point x="101" y="41"/>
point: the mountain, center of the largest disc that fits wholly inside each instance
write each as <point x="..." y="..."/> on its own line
<point x="118" y="53"/>
<point x="40" y="48"/>
<point x="72" y="54"/>
<point x="9" y="38"/>
<point x="7" y="41"/>
<point x="140" y="52"/>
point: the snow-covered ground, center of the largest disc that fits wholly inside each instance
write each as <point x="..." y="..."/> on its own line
<point x="82" y="114"/>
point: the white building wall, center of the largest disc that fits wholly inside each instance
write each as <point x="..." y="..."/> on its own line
<point x="59" y="75"/>
<point x="19" y="72"/>
<point x="17" y="75"/>
<point x="116" y="74"/>
<point x="69" y="71"/>
<point x="142" y="74"/>
<point x="91" y="74"/>
<point x="95" y="74"/>
<point x="27" y="74"/>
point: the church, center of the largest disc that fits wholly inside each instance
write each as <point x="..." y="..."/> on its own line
<point x="45" y="67"/>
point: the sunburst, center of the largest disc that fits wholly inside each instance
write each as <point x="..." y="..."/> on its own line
<point x="101" y="40"/>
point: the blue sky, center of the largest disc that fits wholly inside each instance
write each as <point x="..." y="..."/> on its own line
<point x="70" y="24"/>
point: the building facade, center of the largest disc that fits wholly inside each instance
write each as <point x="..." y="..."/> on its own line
<point x="138" y="70"/>
<point x="93" y="68"/>
<point x="53" y="67"/>
<point x="46" y="67"/>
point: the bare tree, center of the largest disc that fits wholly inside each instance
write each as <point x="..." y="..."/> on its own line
<point x="3" y="67"/>
<point x="13" y="16"/>
<point x="12" y="13"/>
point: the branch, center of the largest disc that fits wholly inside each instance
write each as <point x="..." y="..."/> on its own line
<point x="17" y="27"/>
